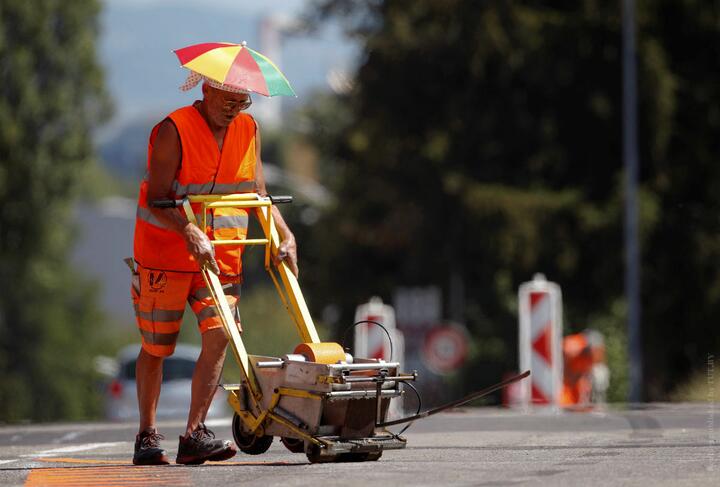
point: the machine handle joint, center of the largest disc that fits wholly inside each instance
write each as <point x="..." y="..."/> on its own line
<point x="276" y="200"/>
<point x="167" y="203"/>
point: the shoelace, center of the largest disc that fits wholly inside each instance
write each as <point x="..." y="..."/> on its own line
<point x="151" y="440"/>
<point x="203" y="432"/>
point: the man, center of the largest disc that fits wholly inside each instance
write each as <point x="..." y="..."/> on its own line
<point x="208" y="147"/>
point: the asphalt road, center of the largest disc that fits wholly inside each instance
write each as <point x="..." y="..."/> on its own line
<point x="660" y="444"/>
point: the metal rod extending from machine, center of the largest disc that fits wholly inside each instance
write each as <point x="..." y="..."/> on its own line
<point x="458" y="402"/>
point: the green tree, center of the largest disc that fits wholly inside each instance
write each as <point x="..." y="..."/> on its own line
<point x="484" y="144"/>
<point x="681" y="287"/>
<point x="51" y="98"/>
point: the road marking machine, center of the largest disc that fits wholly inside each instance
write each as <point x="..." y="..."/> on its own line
<point x="319" y="399"/>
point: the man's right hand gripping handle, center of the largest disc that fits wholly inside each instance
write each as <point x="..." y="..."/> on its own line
<point x="198" y="244"/>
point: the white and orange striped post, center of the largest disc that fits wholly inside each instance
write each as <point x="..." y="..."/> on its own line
<point x="540" y="342"/>
<point x="370" y="340"/>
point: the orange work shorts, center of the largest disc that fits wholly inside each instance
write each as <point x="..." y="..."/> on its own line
<point x="159" y="299"/>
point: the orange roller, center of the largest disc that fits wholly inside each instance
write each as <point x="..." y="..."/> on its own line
<point x="322" y="353"/>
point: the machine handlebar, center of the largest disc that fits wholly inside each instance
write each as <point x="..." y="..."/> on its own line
<point x="166" y="203"/>
<point x="276" y="200"/>
<point x="169" y="203"/>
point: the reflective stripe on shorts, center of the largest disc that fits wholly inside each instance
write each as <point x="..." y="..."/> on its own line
<point x="159" y="338"/>
<point x="230" y="290"/>
<point x="163" y="315"/>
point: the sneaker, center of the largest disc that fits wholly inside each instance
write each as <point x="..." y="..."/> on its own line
<point x="202" y="446"/>
<point x="147" y="449"/>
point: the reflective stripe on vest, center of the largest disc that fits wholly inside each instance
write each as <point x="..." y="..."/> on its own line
<point x="237" y="221"/>
<point x="146" y="215"/>
<point x="181" y="190"/>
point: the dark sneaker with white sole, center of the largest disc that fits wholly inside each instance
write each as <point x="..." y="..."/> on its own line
<point x="147" y="449"/>
<point x="201" y="446"/>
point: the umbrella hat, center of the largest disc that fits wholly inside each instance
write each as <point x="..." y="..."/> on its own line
<point x="235" y="66"/>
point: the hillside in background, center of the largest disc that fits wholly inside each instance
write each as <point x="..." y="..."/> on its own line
<point x="143" y="75"/>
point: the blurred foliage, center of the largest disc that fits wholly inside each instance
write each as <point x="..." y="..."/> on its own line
<point x="97" y="181"/>
<point x="700" y="387"/>
<point x="483" y="140"/>
<point x="51" y="98"/>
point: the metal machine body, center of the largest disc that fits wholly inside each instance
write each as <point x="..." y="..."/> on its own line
<point x="330" y="411"/>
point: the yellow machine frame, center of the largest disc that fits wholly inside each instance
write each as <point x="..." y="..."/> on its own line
<point x="287" y="287"/>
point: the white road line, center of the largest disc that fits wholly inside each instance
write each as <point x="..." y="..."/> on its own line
<point x="2" y="462"/>
<point x="71" y="449"/>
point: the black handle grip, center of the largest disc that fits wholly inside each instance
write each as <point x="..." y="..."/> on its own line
<point x="166" y="203"/>
<point x="276" y="200"/>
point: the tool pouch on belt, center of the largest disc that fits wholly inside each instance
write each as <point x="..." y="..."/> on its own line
<point x="135" y="280"/>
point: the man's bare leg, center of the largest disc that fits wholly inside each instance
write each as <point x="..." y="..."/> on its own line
<point x="148" y="376"/>
<point x="206" y="376"/>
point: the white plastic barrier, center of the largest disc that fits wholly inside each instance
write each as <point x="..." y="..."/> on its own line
<point x="371" y="341"/>
<point x="540" y="343"/>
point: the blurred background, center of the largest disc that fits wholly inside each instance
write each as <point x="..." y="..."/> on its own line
<point x="440" y="154"/>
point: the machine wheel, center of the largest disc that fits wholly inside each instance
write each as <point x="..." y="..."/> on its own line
<point x="249" y="443"/>
<point x="295" y="445"/>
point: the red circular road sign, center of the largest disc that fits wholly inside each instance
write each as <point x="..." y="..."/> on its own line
<point x="445" y="348"/>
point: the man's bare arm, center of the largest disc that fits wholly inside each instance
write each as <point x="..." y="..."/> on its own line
<point x="287" y="250"/>
<point x="164" y="164"/>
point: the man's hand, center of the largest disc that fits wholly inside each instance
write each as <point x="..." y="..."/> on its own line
<point x="287" y="251"/>
<point x="198" y="244"/>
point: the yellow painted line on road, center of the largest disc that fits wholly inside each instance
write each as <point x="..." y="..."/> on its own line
<point x="85" y="461"/>
<point x="108" y="476"/>
<point x="123" y="463"/>
<point x="85" y="472"/>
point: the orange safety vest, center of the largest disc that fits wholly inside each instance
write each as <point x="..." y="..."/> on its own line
<point x="204" y="169"/>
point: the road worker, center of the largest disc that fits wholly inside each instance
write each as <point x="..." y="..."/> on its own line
<point x="209" y="147"/>
<point x="584" y="358"/>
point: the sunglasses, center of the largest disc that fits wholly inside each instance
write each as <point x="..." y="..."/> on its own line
<point x="237" y="105"/>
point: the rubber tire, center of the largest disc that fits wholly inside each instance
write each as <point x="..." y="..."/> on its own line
<point x="250" y="444"/>
<point x="295" y="445"/>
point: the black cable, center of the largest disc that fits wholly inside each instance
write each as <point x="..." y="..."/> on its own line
<point x="344" y="337"/>
<point x="417" y="394"/>
<point x="418" y="408"/>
